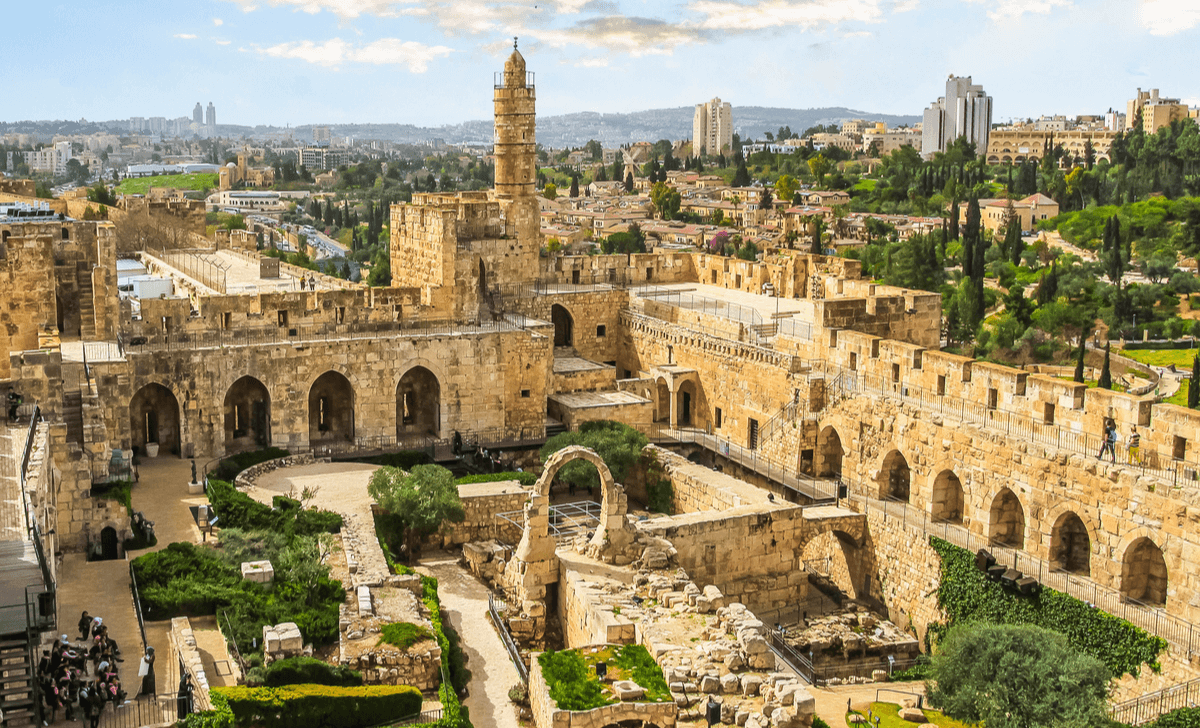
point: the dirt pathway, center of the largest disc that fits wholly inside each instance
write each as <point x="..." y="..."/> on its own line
<point x="465" y="601"/>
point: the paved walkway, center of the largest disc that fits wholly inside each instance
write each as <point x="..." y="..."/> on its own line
<point x="465" y="602"/>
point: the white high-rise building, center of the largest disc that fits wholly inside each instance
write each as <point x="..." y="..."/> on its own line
<point x="965" y="111"/>
<point x="712" y="128"/>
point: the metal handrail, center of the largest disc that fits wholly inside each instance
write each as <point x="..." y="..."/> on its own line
<point x="1148" y="707"/>
<point x="514" y="653"/>
<point x="137" y="605"/>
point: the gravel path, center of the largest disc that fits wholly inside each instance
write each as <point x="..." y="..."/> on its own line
<point x="465" y="602"/>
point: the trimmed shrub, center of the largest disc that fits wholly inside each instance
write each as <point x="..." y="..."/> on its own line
<point x="219" y="717"/>
<point x="238" y="510"/>
<point x="229" y="468"/>
<point x="184" y="579"/>
<point x="320" y="705"/>
<point x="310" y="671"/>
<point x="522" y="478"/>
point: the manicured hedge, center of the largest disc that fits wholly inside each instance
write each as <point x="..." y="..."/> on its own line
<point x="454" y="713"/>
<point x="522" y="478"/>
<point x="320" y="705"/>
<point x="310" y="671"/>
<point x="235" y="509"/>
<point x="229" y="468"/>
<point x="965" y="594"/>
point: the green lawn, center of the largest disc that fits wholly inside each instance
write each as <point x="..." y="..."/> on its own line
<point x="1092" y="383"/>
<point x="1181" y="358"/>
<point x="890" y="718"/>
<point x="1180" y="397"/>
<point x="141" y="185"/>
<point x="866" y="184"/>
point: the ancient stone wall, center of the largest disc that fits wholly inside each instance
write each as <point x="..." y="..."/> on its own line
<point x="28" y="295"/>
<point x="547" y="715"/>
<point x="585" y="615"/>
<point x="481" y="503"/>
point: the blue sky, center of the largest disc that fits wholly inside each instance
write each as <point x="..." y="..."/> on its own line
<point x="430" y="62"/>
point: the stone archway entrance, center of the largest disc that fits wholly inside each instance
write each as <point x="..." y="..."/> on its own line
<point x="1070" y="545"/>
<point x="331" y="409"/>
<point x="247" y="415"/>
<point x="564" y="325"/>
<point x="1007" y="526"/>
<point x="829" y="453"/>
<point x="1144" y="573"/>
<point x="418" y="403"/>
<point x="896" y="477"/>
<point x="948" y="499"/>
<point x="154" y="418"/>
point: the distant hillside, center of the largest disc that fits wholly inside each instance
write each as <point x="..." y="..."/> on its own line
<point x="567" y="130"/>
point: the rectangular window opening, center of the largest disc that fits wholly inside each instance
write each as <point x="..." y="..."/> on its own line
<point x="717" y="417"/>
<point x="601" y="331"/>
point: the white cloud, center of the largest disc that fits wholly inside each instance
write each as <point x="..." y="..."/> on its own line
<point x="1014" y="9"/>
<point x="590" y="63"/>
<point x="858" y="34"/>
<point x="386" y="51"/>
<point x="632" y="36"/>
<point x="1168" y="17"/>
<point x="218" y="22"/>
<point x="726" y="15"/>
<point x="185" y="36"/>
<point x="249" y="8"/>
<point x="904" y="6"/>
<point x="223" y="42"/>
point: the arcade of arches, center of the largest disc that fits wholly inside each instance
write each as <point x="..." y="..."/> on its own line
<point x="331" y="409"/>
<point x="418" y="403"/>
<point x="247" y="415"/>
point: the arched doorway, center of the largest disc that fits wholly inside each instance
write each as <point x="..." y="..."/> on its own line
<point x="564" y="325"/>
<point x="247" y="415"/>
<point x="662" y="400"/>
<point x="418" y="403"/>
<point x="109" y="548"/>
<point x="947" y="504"/>
<point x="331" y="409"/>
<point x="835" y="559"/>
<point x="1070" y="545"/>
<point x="686" y="404"/>
<point x="829" y="453"/>
<point x="1007" y="520"/>
<point x="154" y="418"/>
<point x="896" y="476"/>
<point x="1144" y="573"/>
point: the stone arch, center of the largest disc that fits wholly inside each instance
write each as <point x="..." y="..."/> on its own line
<point x="662" y="400"/>
<point x="154" y="417"/>
<point x="1006" y="525"/>
<point x="838" y="556"/>
<point x="1144" y="572"/>
<point x="895" y="477"/>
<point x="331" y="409"/>
<point x="948" y="502"/>
<point x="564" y="325"/>
<point x="418" y="403"/>
<point x="613" y="530"/>
<point x="1071" y="545"/>
<point x="247" y="410"/>
<point x="830" y="453"/>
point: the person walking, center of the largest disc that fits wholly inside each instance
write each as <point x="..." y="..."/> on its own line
<point x="85" y="626"/>
<point x="1110" y="442"/>
<point x="1134" y="446"/>
<point x="146" y="673"/>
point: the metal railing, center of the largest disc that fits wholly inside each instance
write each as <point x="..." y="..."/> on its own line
<point x="495" y="606"/>
<point x="1012" y="424"/>
<point x="192" y="263"/>
<point x="134" y="343"/>
<point x="144" y="710"/>
<point x="137" y="605"/>
<point x="800" y="487"/>
<point x="237" y="654"/>
<point x="1148" y="707"/>
<point x="630" y="319"/>
<point x="704" y="304"/>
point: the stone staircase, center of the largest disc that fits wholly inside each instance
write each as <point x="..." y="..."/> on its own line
<point x="73" y="416"/>
<point x="87" y="311"/>
<point x="18" y="695"/>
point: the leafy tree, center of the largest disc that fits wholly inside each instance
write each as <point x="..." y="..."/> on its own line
<point x="418" y="501"/>
<point x="618" y="166"/>
<point x="619" y="445"/>
<point x="1017" y="676"/>
<point x="819" y="166"/>
<point x="785" y="187"/>
<point x="1105" y="381"/>
<point x="550" y="191"/>
<point x="748" y="251"/>
<point x="765" y="201"/>
<point x="666" y="200"/>
<point x="594" y="149"/>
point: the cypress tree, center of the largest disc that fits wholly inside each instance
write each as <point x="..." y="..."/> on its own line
<point x="629" y="181"/>
<point x="1194" y="384"/>
<point x="1079" y="362"/>
<point x="1105" y="381"/>
<point x="954" y="220"/>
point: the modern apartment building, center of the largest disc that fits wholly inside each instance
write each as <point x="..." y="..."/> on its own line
<point x="965" y="110"/>
<point x="1157" y="111"/>
<point x="712" y="128"/>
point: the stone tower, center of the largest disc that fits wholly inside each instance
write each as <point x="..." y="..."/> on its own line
<point x="516" y="172"/>
<point x="516" y="122"/>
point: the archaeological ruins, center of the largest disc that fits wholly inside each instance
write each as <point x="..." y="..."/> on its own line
<point x="814" y="434"/>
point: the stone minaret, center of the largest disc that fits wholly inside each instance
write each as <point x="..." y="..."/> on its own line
<point x="516" y="160"/>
